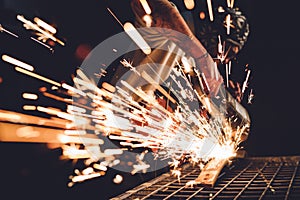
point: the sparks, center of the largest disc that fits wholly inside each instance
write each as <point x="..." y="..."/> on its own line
<point x="210" y="10"/>
<point x="17" y="62"/>
<point x="44" y="34"/>
<point x="146" y="6"/>
<point x="250" y="97"/>
<point x="167" y="120"/>
<point x="137" y="38"/>
<point x="246" y="81"/>
<point x="2" y="29"/>
<point x="189" y="4"/>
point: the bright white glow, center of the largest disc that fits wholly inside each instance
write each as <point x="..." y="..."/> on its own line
<point x="169" y="134"/>
<point x="220" y="46"/>
<point x="146" y="6"/>
<point x="137" y="38"/>
<point x="246" y="81"/>
<point x="207" y="104"/>
<point x="44" y="25"/>
<point x="189" y="4"/>
<point x="232" y="3"/>
<point x="118" y="179"/>
<point x="50" y="111"/>
<point x="37" y="76"/>
<point x="76" y="109"/>
<point x="30" y="96"/>
<point x="100" y="167"/>
<point x="29" y="107"/>
<point x="216" y="71"/>
<point x="29" y="25"/>
<point x="75" y="132"/>
<point x="221" y="9"/>
<point x="9" y="116"/>
<point x="27" y="132"/>
<point x="227" y="81"/>
<point x="85" y="177"/>
<point x="87" y="171"/>
<point x="16" y="62"/>
<point x="70" y="88"/>
<point x="148" y="20"/>
<point x="228" y="20"/>
<point x="210" y="10"/>
<point x="113" y="151"/>
<point x="108" y="87"/>
<point x="186" y="65"/>
<point x="205" y="81"/>
<point x="228" y="3"/>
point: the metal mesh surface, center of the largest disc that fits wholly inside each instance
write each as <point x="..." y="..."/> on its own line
<point x="251" y="178"/>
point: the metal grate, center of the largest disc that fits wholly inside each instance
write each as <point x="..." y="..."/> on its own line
<point x="251" y="178"/>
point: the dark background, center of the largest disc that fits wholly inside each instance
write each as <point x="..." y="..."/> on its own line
<point x="272" y="51"/>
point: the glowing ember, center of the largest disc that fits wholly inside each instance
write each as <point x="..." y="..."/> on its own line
<point x="16" y="62"/>
<point x="2" y="29"/>
<point x="250" y="97"/>
<point x="44" y="34"/>
<point x="189" y="4"/>
<point x="136" y="37"/>
<point x="118" y="179"/>
<point x="30" y="96"/>
<point x="44" y="25"/>
<point x="146" y="6"/>
<point x="210" y="10"/>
